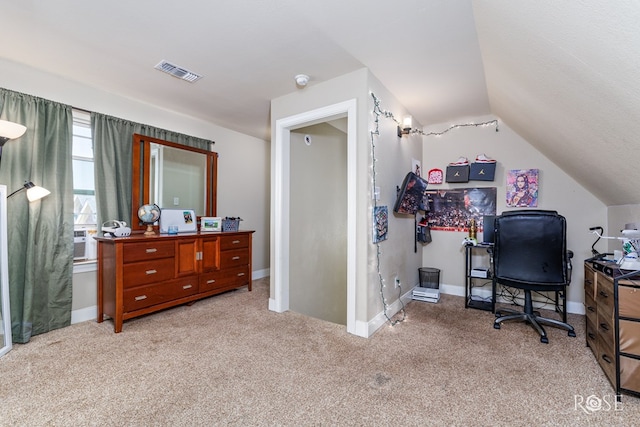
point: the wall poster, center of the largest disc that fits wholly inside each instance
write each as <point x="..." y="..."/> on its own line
<point x="453" y="209"/>
<point x="522" y="188"/>
<point x="380" y="223"/>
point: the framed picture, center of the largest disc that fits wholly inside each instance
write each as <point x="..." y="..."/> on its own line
<point x="522" y="188"/>
<point x="209" y="223"/>
<point x="380" y="223"/>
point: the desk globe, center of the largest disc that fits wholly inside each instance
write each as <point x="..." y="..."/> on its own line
<point x="148" y="214"/>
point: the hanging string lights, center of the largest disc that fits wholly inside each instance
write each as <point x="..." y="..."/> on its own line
<point x="402" y="130"/>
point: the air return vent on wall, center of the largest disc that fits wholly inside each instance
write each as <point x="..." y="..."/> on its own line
<point x="176" y="71"/>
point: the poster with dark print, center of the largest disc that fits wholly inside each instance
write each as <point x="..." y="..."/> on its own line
<point x="412" y="196"/>
<point x="453" y="209"/>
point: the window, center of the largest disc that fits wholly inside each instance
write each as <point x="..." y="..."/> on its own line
<point x="84" y="191"/>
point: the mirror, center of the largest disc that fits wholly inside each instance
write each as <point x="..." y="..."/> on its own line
<point x="172" y="176"/>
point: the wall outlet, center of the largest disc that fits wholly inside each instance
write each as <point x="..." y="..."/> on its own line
<point x="396" y="282"/>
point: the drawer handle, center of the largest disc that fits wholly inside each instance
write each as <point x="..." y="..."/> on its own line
<point x="592" y="335"/>
<point x="187" y="287"/>
<point x="140" y="297"/>
<point x="589" y="282"/>
<point x="604" y="326"/>
<point x="604" y="294"/>
<point x="591" y="309"/>
<point x="151" y="271"/>
<point x="606" y="358"/>
<point x="151" y="250"/>
<point x="235" y="242"/>
<point x="240" y="274"/>
<point x="211" y="281"/>
<point x="235" y="258"/>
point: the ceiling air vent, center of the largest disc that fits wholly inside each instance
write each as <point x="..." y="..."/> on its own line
<point x="176" y="71"/>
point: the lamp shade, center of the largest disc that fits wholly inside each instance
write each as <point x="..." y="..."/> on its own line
<point x="10" y="130"/>
<point x="34" y="192"/>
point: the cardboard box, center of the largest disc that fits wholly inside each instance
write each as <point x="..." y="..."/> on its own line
<point x="482" y="171"/>
<point x="457" y="173"/>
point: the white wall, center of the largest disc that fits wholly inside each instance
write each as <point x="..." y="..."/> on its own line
<point x="318" y="223"/>
<point x="243" y="164"/>
<point x="618" y="217"/>
<point x="558" y="191"/>
<point x="394" y="161"/>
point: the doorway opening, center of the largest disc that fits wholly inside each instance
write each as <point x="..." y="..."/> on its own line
<point x="281" y="204"/>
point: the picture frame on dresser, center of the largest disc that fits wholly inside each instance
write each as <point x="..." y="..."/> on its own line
<point x="209" y="223"/>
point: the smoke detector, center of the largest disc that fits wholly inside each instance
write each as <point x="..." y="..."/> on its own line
<point x="301" y="80"/>
<point x="179" y="72"/>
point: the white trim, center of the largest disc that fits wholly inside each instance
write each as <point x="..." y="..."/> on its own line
<point x="84" y="314"/>
<point x="572" y="307"/>
<point x="5" y="346"/>
<point x="281" y="204"/>
<point x="380" y="319"/>
<point x="85" y="266"/>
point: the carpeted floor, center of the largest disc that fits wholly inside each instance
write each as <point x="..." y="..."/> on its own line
<point x="228" y="360"/>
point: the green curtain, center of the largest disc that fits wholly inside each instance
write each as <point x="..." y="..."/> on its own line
<point x="112" y="155"/>
<point x="40" y="234"/>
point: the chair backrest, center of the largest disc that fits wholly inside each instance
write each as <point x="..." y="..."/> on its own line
<point x="530" y="248"/>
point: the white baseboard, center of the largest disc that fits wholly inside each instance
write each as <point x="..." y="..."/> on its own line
<point x="84" y="314"/>
<point x="572" y="307"/>
<point x="366" y="329"/>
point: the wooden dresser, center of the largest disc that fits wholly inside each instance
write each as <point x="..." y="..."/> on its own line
<point x="142" y="274"/>
<point x="612" y="303"/>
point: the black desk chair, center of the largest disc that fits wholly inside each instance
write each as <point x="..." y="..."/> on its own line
<point x="530" y="253"/>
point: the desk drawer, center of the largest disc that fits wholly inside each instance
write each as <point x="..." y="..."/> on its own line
<point x="148" y="295"/>
<point x="234" y="242"/>
<point x="148" y="250"/>
<point x="140" y="273"/>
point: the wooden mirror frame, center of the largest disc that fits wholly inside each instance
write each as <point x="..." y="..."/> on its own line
<point x="140" y="176"/>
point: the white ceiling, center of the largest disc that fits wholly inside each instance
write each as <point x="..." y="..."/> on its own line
<point x="564" y="75"/>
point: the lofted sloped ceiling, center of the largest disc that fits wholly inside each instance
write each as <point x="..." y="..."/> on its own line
<point x="561" y="74"/>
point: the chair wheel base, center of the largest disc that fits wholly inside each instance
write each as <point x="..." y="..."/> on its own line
<point x="544" y="340"/>
<point x="572" y="333"/>
<point x="496" y="326"/>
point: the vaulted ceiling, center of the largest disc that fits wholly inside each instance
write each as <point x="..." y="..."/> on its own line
<point x="564" y="75"/>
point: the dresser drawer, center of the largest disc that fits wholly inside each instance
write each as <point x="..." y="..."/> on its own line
<point x="629" y="336"/>
<point x="605" y="330"/>
<point x="233" y="277"/>
<point x="604" y="296"/>
<point x="592" y="336"/>
<point x="234" y="258"/>
<point x="234" y="242"/>
<point x="607" y="360"/>
<point x="140" y="273"/>
<point x="590" y="308"/>
<point x="148" y="295"/>
<point x="589" y="281"/>
<point x="148" y="250"/>
<point x="629" y="301"/>
<point x="630" y="373"/>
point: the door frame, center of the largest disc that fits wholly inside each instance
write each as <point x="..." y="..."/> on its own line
<point x="280" y="202"/>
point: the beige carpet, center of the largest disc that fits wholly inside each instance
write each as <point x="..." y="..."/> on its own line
<point x="228" y="360"/>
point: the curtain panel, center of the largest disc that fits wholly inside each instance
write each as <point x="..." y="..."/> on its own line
<point x="40" y="234"/>
<point x="112" y="154"/>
